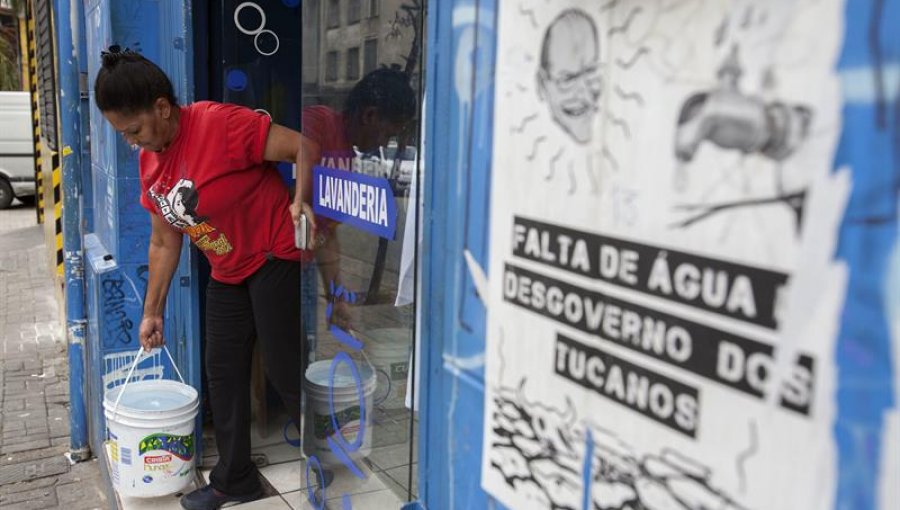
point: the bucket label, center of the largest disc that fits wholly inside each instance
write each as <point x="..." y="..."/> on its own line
<point x="399" y="370"/>
<point x="114" y="451"/>
<point x="180" y="446"/>
<point x="157" y="462"/>
<point x="324" y="428"/>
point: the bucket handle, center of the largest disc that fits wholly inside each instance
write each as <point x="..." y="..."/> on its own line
<point x="137" y="359"/>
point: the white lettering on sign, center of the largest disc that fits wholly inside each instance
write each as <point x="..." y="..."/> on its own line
<point x="360" y="200"/>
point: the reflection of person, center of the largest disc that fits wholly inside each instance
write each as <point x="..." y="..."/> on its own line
<point x="205" y="173"/>
<point x="569" y="79"/>
<point x="377" y="109"/>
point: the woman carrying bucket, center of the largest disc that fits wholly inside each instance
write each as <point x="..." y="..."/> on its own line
<point x="206" y="171"/>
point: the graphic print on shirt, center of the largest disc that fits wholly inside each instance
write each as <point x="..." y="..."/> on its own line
<point x="179" y="207"/>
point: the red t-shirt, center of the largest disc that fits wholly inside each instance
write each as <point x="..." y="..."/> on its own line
<point x="326" y="127"/>
<point x="213" y="184"/>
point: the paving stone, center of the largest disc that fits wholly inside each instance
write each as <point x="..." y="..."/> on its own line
<point x="34" y="425"/>
<point x="30" y="470"/>
<point x="9" y="434"/>
<point x="12" y="385"/>
<point x="31" y="500"/>
<point x="13" y="405"/>
<point x="31" y="444"/>
<point x="38" y="483"/>
<point x="46" y="501"/>
<point x="80" y="496"/>
<point x="32" y="455"/>
<point x="12" y="424"/>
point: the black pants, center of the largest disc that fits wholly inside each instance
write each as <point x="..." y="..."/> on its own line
<point x="266" y="306"/>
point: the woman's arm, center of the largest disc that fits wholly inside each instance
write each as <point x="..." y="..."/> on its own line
<point x="285" y="144"/>
<point x="164" y="252"/>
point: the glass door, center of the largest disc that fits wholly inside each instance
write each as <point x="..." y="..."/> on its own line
<point x="362" y="99"/>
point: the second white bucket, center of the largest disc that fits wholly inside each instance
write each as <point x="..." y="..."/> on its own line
<point x="319" y="424"/>
<point x="388" y="350"/>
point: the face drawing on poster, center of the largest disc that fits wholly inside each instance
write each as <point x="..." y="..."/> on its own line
<point x="731" y="120"/>
<point x="568" y="77"/>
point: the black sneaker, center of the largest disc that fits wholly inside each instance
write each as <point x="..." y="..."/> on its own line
<point x="208" y="498"/>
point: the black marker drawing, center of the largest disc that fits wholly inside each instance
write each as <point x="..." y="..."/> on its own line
<point x="619" y="123"/>
<point x="610" y="5"/>
<point x="612" y="160"/>
<point x="553" y="161"/>
<point x="748" y="17"/>
<point x="742" y="459"/>
<point x="630" y="96"/>
<point x="534" y="150"/>
<point x="629" y="63"/>
<point x="721" y="32"/>
<point x="538" y="451"/>
<point x="530" y="14"/>
<point x="569" y="75"/>
<point x="624" y="26"/>
<point x="525" y="121"/>
<point x="732" y="120"/>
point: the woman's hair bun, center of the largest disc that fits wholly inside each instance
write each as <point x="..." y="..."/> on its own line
<point x="115" y="54"/>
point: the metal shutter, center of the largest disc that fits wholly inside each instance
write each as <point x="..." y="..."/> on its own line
<point x="43" y="29"/>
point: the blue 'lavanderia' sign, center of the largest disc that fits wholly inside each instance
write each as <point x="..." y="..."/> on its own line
<point x="360" y="200"/>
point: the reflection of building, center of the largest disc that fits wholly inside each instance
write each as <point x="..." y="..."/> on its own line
<point x="345" y="39"/>
<point x="12" y="63"/>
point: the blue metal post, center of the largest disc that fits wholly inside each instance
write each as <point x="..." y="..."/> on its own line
<point x="69" y="20"/>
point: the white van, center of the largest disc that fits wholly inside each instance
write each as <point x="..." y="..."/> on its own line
<point x="16" y="148"/>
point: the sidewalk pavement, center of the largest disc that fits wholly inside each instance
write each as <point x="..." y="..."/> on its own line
<point x="34" y="386"/>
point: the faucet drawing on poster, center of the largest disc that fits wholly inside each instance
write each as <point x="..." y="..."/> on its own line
<point x="732" y="120"/>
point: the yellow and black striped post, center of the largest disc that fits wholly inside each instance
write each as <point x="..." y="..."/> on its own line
<point x="36" y="121"/>
<point x="57" y="212"/>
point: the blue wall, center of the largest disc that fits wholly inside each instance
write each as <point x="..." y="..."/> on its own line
<point x="116" y="254"/>
<point x="869" y="65"/>
<point x="462" y="37"/>
<point x="460" y="102"/>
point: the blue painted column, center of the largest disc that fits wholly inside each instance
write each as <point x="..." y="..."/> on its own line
<point x="69" y="22"/>
<point x="870" y="147"/>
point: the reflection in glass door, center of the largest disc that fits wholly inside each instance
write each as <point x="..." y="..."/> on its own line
<point x="362" y="98"/>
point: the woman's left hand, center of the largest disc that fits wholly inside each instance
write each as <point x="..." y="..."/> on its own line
<point x="297" y="208"/>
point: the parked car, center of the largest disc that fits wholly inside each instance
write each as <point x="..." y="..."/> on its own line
<point x="390" y="163"/>
<point x="16" y="148"/>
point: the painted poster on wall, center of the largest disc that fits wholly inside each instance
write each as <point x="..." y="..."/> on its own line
<point x="663" y="300"/>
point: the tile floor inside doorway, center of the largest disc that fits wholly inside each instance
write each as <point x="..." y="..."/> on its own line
<point x="384" y="487"/>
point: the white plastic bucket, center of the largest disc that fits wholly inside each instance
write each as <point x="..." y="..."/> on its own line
<point x="388" y="351"/>
<point x="151" y="432"/>
<point x="347" y="409"/>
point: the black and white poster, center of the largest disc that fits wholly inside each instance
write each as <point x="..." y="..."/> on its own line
<point x="662" y="309"/>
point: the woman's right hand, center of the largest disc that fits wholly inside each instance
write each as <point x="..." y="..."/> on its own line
<point x="151" y="333"/>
